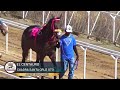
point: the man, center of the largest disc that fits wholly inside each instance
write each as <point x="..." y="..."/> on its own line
<point x="67" y="48"/>
<point x="4" y="30"/>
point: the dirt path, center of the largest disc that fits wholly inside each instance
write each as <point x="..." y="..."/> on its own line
<point x="99" y="66"/>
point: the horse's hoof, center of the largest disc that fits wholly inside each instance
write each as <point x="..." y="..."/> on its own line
<point x="42" y="77"/>
<point x="55" y="77"/>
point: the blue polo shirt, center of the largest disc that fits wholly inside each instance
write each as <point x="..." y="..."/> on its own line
<point x="66" y="44"/>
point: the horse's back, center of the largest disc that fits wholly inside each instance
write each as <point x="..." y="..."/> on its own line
<point x="31" y="27"/>
<point x="28" y="30"/>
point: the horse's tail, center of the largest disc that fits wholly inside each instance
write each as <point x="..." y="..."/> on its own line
<point x="24" y="37"/>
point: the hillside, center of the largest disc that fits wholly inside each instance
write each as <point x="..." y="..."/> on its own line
<point x="98" y="65"/>
<point x="103" y="30"/>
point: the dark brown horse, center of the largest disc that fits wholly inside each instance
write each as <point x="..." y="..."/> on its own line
<point x="42" y="40"/>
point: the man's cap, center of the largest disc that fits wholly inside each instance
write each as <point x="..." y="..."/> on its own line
<point x="68" y="28"/>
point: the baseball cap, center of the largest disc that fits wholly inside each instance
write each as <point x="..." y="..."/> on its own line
<point x="68" y="28"/>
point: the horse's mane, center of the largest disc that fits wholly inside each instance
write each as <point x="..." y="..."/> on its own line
<point x="46" y="25"/>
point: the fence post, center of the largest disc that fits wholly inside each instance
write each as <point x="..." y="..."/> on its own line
<point x="71" y="17"/>
<point x="113" y="17"/>
<point x="57" y="54"/>
<point x="26" y="13"/>
<point x="85" y="49"/>
<point x="84" y="70"/>
<point x="47" y="17"/>
<point x="23" y="15"/>
<point x="43" y="17"/>
<point x="30" y="55"/>
<point x="116" y="68"/>
<point x="95" y="22"/>
<point x="6" y="42"/>
<point x="88" y="22"/>
<point x="65" y="19"/>
<point x="116" y="59"/>
<point x="113" y="30"/>
<point x="117" y="36"/>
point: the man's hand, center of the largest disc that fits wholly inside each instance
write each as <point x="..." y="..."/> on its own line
<point x="3" y="33"/>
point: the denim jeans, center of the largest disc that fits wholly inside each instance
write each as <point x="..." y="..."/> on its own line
<point x="65" y="64"/>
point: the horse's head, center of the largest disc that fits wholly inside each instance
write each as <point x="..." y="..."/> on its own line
<point x="54" y="21"/>
<point x="52" y="26"/>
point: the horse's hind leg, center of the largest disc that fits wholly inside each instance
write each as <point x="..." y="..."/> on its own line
<point x="41" y="59"/>
<point x="25" y="48"/>
<point x="24" y="54"/>
<point x="52" y="56"/>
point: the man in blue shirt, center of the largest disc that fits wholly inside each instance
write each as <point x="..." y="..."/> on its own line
<point x="67" y="48"/>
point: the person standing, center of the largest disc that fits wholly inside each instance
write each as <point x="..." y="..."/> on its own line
<point x="67" y="49"/>
<point x="3" y="29"/>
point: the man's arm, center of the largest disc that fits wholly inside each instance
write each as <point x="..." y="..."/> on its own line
<point x="76" y="52"/>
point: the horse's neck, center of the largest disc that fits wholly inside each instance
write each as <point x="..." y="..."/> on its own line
<point x="47" y="33"/>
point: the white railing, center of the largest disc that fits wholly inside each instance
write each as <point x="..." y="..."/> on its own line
<point x="114" y="54"/>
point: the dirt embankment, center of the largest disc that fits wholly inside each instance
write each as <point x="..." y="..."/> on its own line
<point x="99" y="66"/>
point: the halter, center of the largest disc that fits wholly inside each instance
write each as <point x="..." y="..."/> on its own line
<point x="53" y="28"/>
<point x="53" y="21"/>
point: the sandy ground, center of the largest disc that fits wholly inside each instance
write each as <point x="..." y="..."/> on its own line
<point x="99" y="66"/>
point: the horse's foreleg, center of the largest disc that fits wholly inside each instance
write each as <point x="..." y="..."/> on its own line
<point x="52" y="56"/>
<point x="41" y="59"/>
<point x="37" y="58"/>
<point x="24" y="55"/>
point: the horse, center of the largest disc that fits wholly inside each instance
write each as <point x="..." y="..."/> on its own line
<point x="43" y="40"/>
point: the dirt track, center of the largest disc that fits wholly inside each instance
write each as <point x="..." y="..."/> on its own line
<point x="99" y="66"/>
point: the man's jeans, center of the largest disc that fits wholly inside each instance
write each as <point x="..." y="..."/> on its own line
<point x="65" y="64"/>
